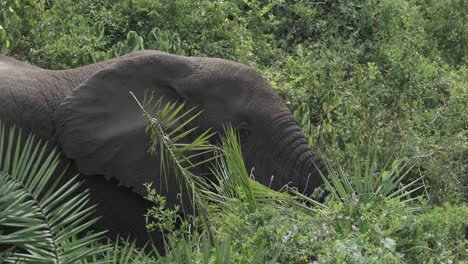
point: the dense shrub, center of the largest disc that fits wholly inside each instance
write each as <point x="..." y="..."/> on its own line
<point x="388" y="75"/>
<point x="383" y="231"/>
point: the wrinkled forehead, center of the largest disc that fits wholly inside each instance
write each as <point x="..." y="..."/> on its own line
<point x="228" y="78"/>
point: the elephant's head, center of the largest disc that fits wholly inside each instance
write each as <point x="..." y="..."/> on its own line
<point x="98" y="125"/>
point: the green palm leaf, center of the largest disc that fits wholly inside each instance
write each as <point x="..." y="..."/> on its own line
<point x="365" y="181"/>
<point x="233" y="180"/>
<point x="40" y="222"/>
<point x="168" y="125"/>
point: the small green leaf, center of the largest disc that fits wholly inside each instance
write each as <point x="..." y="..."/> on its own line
<point x="2" y="34"/>
<point x="385" y="175"/>
<point x="98" y="28"/>
<point x="328" y="127"/>
<point x="389" y="243"/>
<point x="363" y="226"/>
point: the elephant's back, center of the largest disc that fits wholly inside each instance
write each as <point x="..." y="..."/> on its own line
<point x="9" y="63"/>
<point x="23" y="101"/>
<point x="14" y="73"/>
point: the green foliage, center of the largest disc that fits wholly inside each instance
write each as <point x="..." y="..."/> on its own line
<point x="380" y="231"/>
<point x="40" y="222"/>
<point x="17" y="23"/>
<point x="363" y="222"/>
<point x="202" y="249"/>
<point x="233" y="181"/>
<point x="446" y="22"/>
<point x="370" y="216"/>
<point x="231" y="185"/>
<point x="170" y="222"/>
<point x="386" y="75"/>
<point x="124" y="252"/>
<point x="367" y="183"/>
<point x="44" y="219"/>
<point x="168" y="130"/>
<point x="171" y="135"/>
<point x="404" y="103"/>
<point x="164" y="218"/>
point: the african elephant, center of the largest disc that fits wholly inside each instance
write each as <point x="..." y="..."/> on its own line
<point x="89" y="113"/>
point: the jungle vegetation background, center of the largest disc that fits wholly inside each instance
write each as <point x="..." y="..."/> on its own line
<point x="381" y="76"/>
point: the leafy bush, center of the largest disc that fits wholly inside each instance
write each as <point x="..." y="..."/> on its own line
<point x="371" y="216"/>
<point x="383" y="231"/>
<point x="387" y="75"/>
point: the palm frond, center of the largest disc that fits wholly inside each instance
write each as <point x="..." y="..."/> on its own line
<point x="366" y="181"/>
<point x="203" y="249"/>
<point x="168" y="127"/>
<point x="38" y="223"/>
<point x="124" y="252"/>
<point x="233" y="180"/>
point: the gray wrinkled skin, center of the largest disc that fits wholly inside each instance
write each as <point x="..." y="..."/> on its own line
<point x="89" y="114"/>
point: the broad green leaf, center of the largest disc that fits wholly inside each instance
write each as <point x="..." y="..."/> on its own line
<point x="389" y="243"/>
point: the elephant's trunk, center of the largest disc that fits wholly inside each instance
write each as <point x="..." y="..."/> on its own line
<point x="298" y="163"/>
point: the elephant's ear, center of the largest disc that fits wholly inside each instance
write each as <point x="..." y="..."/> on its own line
<point x="99" y="126"/>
